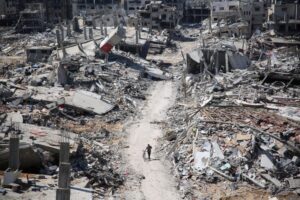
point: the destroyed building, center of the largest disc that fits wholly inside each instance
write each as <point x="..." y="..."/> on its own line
<point x="132" y="6"/>
<point x="284" y="17"/>
<point x="254" y="12"/>
<point x="178" y="4"/>
<point x="195" y="12"/>
<point x="216" y="59"/>
<point x="86" y="85"/>
<point x="157" y="15"/>
<point x="37" y="15"/>
<point x="95" y="7"/>
<point x="225" y="9"/>
<point x="32" y="18"/>
<point x="9" y="12"/>
<point x="259" y="14"/>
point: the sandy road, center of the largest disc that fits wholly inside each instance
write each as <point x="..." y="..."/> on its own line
<point x="158" y="183"/>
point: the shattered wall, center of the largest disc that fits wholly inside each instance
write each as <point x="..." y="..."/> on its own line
<point x="157" y="15"/>
<point x="195" y="14"/>
<point x="9" y="11"/>
<point x="215" y="60"/>
<point x="284" y="17"/>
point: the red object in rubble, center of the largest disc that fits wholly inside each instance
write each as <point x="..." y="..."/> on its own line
<point x="106" y="48"/>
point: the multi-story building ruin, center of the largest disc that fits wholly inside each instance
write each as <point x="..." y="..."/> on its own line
<point x="132" y="6"/>
<point x="95" y="7"/>
<point x="157" y="15"/>
<point x="224" y="9"/>
<point x="195" y="11"/>
<point x="284" y="16"/>
<point x="9" y="11"/>
<point x="32" y="18"/>
<point x="259" y="14"/>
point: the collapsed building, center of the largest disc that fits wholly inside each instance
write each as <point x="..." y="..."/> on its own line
<point x="66" y="93"/>
<point x="65" y="79"/>
<point x="238" y="117"/>
<point x="215" y="59"/>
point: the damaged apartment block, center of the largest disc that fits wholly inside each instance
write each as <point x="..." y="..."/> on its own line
<point x="157" y="15"/>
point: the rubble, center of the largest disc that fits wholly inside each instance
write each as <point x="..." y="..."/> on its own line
<point x="228" y="125"/>
<point x="66" y="89"/>
<point x="74" y="73"/>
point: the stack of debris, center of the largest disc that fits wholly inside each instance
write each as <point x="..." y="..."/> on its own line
<point x="237" y="126"/>
<point x="98" y="162"/>
<point x="68" y="87"/>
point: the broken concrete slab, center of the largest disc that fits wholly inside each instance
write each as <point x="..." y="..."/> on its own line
<point x="266" y="162"/>
<point x="275" y="181"/>
<point x="158" y="74"/>
<point x="201" y="160"/>
<point x="294" y="183"/>
<point x="90" y="102"/>
<point x="14" y="117"/>
<point x="10" y="177"/>
<point x="46" y="138"/>
<point x="88" y="49"/>
<point x="80" y="99"/>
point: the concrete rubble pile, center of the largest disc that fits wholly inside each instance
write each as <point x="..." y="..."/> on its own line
<point x="236" y="126"/>
<point x="98" y="161"/>
<point x="73" y="73"/>
<point x="64" y="89"/>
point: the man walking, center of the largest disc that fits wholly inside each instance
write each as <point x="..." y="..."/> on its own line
<point x="148" y="149"/>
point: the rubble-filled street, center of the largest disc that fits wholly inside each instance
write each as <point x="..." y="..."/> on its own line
<point x="136" y="100"/>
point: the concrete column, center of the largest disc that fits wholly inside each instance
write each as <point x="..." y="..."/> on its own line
<point x="62" y="78"/>
<point x="76" y="25"/>
<point x="84" y="33"/>
<point x="94" y="24"/>
<point x="63" y="191"/>
<point x="226" y="62"/>
<point x="115" y="19"/>
<point x="91" y="36"/>
<point x="14" y="153"/>
<point x="136" y="36"/>
<point x="137" y="39"/>
<point x="217" y="65"/>
<point x="286" y="19"/>
<point x="58" y="38"/>
<point x="101" y="27"/>
<point x="63" y="50"/>
<point x="63" y="194"/>
<point x="69" y="34"/>
<point x="105" y="31"/>
<point x="106" y="58"/>
<point x="64" y="175"/>
<point x="136" y="33"/>
<point x="64" y="152"/>
<point x="140" y="35"/>
<point x="62" y="33"/>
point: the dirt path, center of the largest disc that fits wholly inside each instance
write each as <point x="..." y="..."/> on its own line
<point x="158" y="183"/>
